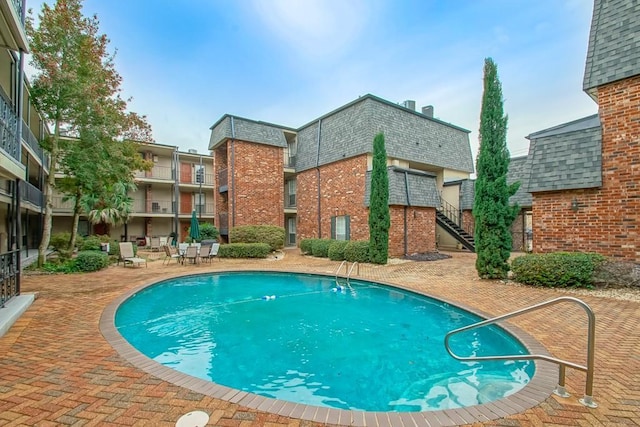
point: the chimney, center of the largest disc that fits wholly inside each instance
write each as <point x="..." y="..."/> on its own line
<point x="428" y="111"/>
<point x="409" y="104"/>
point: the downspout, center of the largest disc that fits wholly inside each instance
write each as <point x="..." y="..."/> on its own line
<point x="176" y="195"/>
<point x="233" y="175"/>
<point x="406" y="232"/>
<point x="319" y="210"/>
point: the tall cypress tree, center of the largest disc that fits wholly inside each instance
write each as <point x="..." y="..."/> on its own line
<point x="379" y="220"/>
<point x="491" y="211"/>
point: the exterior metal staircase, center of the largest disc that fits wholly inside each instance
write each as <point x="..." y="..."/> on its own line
<point x="448" y="217"/>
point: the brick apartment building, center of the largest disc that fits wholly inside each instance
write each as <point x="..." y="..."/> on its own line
<point x="315" y="180"/>
<point x="584" y="175"/>
<point x="178" y="183"/>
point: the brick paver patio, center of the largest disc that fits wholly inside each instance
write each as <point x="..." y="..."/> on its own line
<point x="56" y="368"/>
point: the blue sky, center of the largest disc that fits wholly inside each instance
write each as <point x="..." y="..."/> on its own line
<point x="186" y="63"/>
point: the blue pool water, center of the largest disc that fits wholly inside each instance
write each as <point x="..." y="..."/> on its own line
<point x="373" y="348"/>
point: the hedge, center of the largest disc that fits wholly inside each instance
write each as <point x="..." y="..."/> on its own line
<point x="91" y="261"/>
<point x="557" y="269"/>
<point x="306" y="246"/>
<point x="357" y="250"/>
<point x="244" y="250"/>
<point x="336" y="249"/>
<point x="320" y="248"/>
<point x="269" y="234"/>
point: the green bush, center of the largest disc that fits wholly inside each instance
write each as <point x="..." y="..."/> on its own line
<point x="269" y="234"/>
<point x="357" y="250"/>
<point x="320" y="248"/>
<point x="336" y="250"/>
<point x="557" y="269"/>
<point x="60" y="266"/>
<point x="306" y="246"/>
<point x="91" y="243"/>
<point x="244" y="250"/>
<point x="208" y="231"/>
<point x="91" y="261"/>
<point x="60" y="241"/>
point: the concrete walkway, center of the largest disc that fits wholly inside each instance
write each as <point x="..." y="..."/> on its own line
<point x="57" y="368"/>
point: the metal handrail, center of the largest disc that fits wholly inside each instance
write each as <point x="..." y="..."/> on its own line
<point x="355" y="263"/>
<point x="338" y="271"/>
<point x="587" y="400"/>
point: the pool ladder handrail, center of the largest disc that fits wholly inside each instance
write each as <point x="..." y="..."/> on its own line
<point x="560" y="390"/>
<point x="348" y="272"/>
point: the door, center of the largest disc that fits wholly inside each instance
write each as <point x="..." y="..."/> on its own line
<point x="185" y="173"/>
<point x="291" y="230"/>
<point x="185" y="203"/>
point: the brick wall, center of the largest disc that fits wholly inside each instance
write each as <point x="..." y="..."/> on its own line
<point x="421" y="230"/>
<point x="259" y="185"/>
<point x="607" y="218"/>
<point x="221" y="204"/>
<point x="342" y="193"/>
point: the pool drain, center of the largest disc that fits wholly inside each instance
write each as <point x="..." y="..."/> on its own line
<point x="193" y="419"/>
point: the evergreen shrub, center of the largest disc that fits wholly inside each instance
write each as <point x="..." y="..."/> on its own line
<point x="269" y="234"/>
<point x="557" y="269"/>
<point x="87" y="261"/>
<point x="320" y="248"/>
<point x="306" y="246"/>
<point x="336" y="250"/>
<point x="357" y="250"/>
<point x="244" y="250"/>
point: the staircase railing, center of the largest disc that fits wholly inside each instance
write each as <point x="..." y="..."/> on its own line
<point x="451" y="212"/>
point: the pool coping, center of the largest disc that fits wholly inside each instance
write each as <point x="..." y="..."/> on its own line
<point x="535" y="392"/>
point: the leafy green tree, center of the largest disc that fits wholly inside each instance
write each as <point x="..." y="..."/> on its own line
<point x="379" y="218"/>
<point x="77" y="88"/>
<point x="491" y="210"/>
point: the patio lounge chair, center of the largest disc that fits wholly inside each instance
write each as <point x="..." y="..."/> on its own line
<point x="128" y="257"/>
<point x="155" y="244"/>
<point x="192" y="254"/>
<point x="169" y="255"/>
<point x="213" y="253"/>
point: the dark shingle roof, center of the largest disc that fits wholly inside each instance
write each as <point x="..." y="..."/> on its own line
<point x="614" y="43"/>
<point x="247" y="130"/>
<point x="421" y="187"/>
<point x="565" y="157"/>
<point x="519" y="170"/>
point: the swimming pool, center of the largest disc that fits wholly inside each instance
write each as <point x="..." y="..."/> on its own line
<point x="295" y="337"/>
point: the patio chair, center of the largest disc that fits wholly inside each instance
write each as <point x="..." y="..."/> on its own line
<point x="169" y="255"/>
<point x="205" y="250"/>
<point x="182" y="248"/>
<point x="214" y="251"/>
<point x="155" y="244"/>
<point x="128" y="257"/>
<point x="192" y="254"/>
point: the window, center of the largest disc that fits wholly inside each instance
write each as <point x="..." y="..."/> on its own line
<point x="198" y="202"/>
<point x="199" y="174"/>
<point x="291" y="222"/>
<point x="340" y="227"/>
<point x="292" y="150"/>
<point x="292" y="188"/>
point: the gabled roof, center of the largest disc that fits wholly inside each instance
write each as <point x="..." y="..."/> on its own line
<point x="408" y="187"/>
<point x="614" y="43"/>
<point x="568" y="156"/>
<point x="519" y="170"/>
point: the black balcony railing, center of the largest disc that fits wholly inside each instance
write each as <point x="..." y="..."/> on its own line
<point x="9" y="276"/>
<point x="31" y="194"/>
<point x="32" y="141"/>
<point x="8" y="129"/>
<point x="222" y="178"/>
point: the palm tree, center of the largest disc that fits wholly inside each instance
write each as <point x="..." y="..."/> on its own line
<point x="112" y="208"/>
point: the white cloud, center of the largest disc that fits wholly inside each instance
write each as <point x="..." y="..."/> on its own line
<point x="315" y="29"/>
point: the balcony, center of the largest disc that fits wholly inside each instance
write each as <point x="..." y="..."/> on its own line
<point x="60" y="205"/>
<point x="157" y="173"/>
<point x="223" y="223"/>
<point x="12" y="27"/>
<point x="197" y="179"/>
<point x="223" y="182"/>
<point x="206" y="209"/>
<point x="33" y="143"/>
<point x="289" y="159"/>
<point x="154" y="206"/>
<point x="31" y="194"/>
<point x="8" y="129"/>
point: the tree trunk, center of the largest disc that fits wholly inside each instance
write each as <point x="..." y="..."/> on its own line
<point x="76" y="221"/>
<point x="48" y="198"/>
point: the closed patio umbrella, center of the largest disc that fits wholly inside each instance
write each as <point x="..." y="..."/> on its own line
<point x="194" y="231"/>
